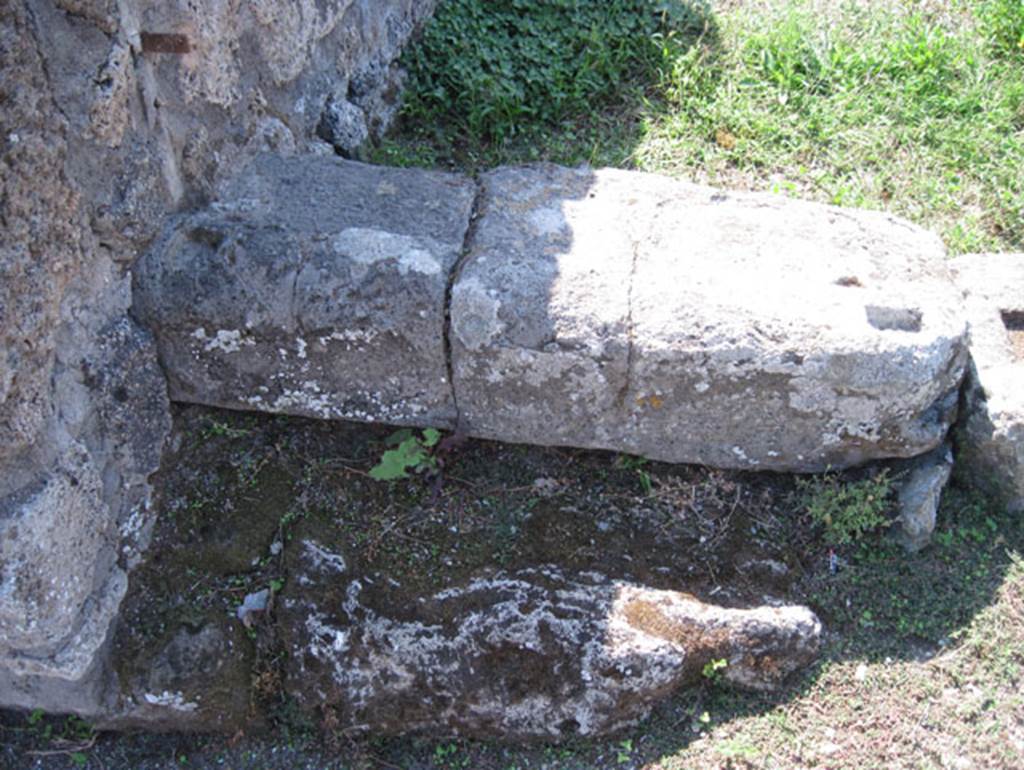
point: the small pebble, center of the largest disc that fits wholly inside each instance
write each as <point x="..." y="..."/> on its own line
<point x="255" y="602"/>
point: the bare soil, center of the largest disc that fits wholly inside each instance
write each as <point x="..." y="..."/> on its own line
<point x="238" y="484"/>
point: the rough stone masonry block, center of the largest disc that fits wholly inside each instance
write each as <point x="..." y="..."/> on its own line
<point x="531" y="654"/>
<point x="69" y="531"/>
<point x="540" y="310"/>
<point x="626" y="311"/>
<point x="992" y="439"/>
<point x="313" y="286"/>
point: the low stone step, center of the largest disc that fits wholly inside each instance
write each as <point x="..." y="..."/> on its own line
<point x="626" y="311"/>
<point x="314" y="287"/>
<point x="601" y="309"/>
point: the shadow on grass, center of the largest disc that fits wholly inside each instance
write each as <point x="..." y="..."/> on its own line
<point x="606" y="133"/>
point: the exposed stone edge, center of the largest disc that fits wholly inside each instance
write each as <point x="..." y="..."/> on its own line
<point x="453" y="277"/>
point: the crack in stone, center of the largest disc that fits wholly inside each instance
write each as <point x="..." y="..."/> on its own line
<point x="293" y="303"/>
<point x="453" y="277"/>
<point x="630" y="347"/>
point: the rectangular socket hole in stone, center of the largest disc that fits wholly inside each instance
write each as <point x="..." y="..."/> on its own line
<point x="1013" y="320"/>
<point x="886" y="318"/>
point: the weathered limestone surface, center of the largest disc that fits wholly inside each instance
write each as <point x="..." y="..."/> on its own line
<point x="602" y="309"/>
<point x="625" y="311"/>
<point x="540" y="311"/>
<point x="314" y="286"/>
<point x="83" y="405"/>
<point x="533" y="654"/>
<point x="107" y="125"/>
<point x="991" y="438"/>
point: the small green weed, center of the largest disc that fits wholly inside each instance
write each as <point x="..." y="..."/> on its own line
<point x="71" y="728"/>
<point x="410" y="453"/>
<point x="846" y="510"/>
<point x="624" y="752"/>
<point x="219" y="429"/>
<point x="451" y="756"/>
<point x="714" y="669"/>
<point x="70" y="736"/>
<point x="632" y="462"/>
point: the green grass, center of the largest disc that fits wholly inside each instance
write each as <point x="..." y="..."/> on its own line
<point x="494" y="69"/>
<point x="869" y="104"/>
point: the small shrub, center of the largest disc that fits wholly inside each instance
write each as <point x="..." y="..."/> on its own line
<point x="846" y="510"/>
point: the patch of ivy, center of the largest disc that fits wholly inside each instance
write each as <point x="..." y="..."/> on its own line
<point x="495" y="67"/>
<point x="411" y="453"/>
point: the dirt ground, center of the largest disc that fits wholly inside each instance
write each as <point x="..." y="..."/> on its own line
<point x="240" y="487"/>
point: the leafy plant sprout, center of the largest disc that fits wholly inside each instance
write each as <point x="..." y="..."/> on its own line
<point x="411" y="454"/>
<point x="847" y="511"/>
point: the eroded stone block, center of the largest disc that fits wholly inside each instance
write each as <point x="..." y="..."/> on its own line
<point x="313" y="286"/>
<point x="535" y="654"/>
<point x="627" y="311"/>
<point x="992" y="435"/>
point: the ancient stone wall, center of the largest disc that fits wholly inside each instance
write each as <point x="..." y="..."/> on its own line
<point x="114" y="115"/>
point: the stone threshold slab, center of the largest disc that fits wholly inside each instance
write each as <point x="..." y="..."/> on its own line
<point x="599" y="309"/>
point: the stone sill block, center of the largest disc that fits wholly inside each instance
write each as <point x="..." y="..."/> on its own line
<point x="599" y="309"/>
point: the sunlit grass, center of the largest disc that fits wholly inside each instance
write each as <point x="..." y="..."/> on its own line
<point x="869" y="107"/>
<point x="869" y="104"/>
